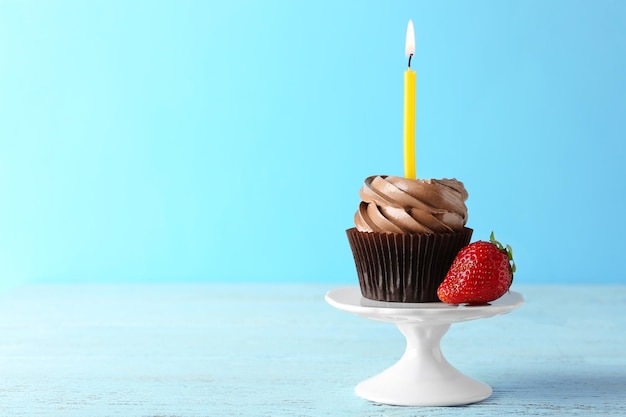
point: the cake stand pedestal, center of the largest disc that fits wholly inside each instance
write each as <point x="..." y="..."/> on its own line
<point x="422" y="376"/>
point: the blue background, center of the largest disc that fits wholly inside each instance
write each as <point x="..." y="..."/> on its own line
<point x="202" y="141"/>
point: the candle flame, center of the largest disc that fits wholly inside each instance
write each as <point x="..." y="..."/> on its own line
<point x="409" y="47"/>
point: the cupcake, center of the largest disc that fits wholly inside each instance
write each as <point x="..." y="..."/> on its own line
<point x="406" y="235"/>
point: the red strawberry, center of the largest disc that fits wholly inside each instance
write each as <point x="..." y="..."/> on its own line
<point x="481" y="272"/>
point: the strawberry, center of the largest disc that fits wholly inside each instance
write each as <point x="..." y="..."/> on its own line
<point x="481" y="272"/>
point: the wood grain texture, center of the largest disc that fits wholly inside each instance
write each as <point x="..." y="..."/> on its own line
<point x="280" y="350"/>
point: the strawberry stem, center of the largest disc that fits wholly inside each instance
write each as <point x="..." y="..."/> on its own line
<point x="508" y="250"/>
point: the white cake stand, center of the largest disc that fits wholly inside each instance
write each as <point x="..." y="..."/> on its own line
<point x="422" y="376"/>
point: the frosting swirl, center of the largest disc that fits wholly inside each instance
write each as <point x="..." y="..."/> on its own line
<point x="402" y="205"/>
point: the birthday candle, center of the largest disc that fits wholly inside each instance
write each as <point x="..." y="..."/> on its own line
<point x="409" y="106"/>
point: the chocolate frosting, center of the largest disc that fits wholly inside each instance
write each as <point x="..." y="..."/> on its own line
<point x="402" y="205"/>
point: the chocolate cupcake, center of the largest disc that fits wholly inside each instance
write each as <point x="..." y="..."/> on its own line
<point x="406" y="236"/>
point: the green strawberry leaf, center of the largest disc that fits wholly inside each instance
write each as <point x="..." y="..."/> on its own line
<point x="508" y="250"/>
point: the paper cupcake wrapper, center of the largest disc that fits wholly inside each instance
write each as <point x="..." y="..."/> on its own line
<point x="405" y="268"/>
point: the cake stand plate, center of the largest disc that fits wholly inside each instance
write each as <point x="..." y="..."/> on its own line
<point x="422" y="376"/>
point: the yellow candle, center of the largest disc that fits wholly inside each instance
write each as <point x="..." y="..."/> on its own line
<point x="409" y="106"/>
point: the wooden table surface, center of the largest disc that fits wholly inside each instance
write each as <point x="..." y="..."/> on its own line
<point x="281" y="350"/>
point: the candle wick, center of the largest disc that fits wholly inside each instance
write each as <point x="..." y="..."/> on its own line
<point x="410" y="56"/>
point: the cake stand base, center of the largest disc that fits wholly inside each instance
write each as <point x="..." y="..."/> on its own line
<point x="422" y="376"/>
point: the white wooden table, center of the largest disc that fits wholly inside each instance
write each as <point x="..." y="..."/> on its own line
<point x="280" y="350"/>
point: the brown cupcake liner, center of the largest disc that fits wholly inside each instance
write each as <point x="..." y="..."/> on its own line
<point x="405" y="268"/>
